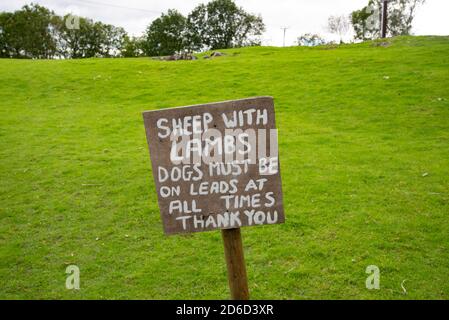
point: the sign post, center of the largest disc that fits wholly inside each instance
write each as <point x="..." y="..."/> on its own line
<point x="216" y="166"/>
<point x="235" y="262"/>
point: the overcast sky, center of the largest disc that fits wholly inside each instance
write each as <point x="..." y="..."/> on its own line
<point x="300" y="16"/>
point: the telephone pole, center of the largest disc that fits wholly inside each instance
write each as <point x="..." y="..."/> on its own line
<point x="384" y="18"/>
<point x="285" y="30"/>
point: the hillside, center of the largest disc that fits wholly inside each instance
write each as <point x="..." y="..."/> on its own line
<point x="364" y="150"/>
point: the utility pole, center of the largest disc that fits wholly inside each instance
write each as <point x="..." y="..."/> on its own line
<point x="285" y="30"/>
<point x="384" y="18"/>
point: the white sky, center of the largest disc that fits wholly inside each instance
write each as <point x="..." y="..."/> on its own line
<point x="301" y="16"/>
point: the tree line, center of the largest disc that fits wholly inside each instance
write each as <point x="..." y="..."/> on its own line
<point x="37" y="32"/>
<point x="366" y="22"/>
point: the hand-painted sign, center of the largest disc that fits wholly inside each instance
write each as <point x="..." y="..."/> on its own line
<point x="216" y="165"/>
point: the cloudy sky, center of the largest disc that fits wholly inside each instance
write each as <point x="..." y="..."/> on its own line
<point x="300" y="16"/>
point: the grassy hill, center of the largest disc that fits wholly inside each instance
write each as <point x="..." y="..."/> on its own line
<point x="364" y="148"/>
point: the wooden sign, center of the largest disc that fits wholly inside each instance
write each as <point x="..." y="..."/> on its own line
<point x="216" y="165"/>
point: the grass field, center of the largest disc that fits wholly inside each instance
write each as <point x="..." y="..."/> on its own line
<point x="364" y="149"/>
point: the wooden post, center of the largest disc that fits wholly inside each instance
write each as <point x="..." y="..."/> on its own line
<point x="384" y="19"/>
<point x="235" y="262"/>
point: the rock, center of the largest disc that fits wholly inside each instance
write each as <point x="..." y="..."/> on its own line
<point x="206" y="57"/>
<point x="173" y="57"/>
<point x="384" y="44"/>
<point x="182" y="56"/>
<point x="217" y="54"/>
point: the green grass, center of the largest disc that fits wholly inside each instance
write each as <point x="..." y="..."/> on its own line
<point x="364" y="147"/>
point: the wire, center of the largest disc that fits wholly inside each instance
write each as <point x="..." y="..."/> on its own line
<point x="117" y="6"/>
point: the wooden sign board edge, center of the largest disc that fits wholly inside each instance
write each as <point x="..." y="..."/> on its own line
<point x="212" y="104"/>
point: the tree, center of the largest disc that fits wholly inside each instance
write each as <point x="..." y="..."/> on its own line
<point x="112" y="40"/>
<point x="401" y="16"/>
<point x="36" y="32"/>
<point x="7" y="49"/>
<point x="310" y="40"/>
<point x="366" y="22"/>
<point x="338" y="25"/>
<point x="166" y="34"/>
<point x="222" y="24"/>
<point x="27" y="33"/>
<point x="132" y="47"/>
<point x="79" y="42"/>
<point x="90" y="39"/>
